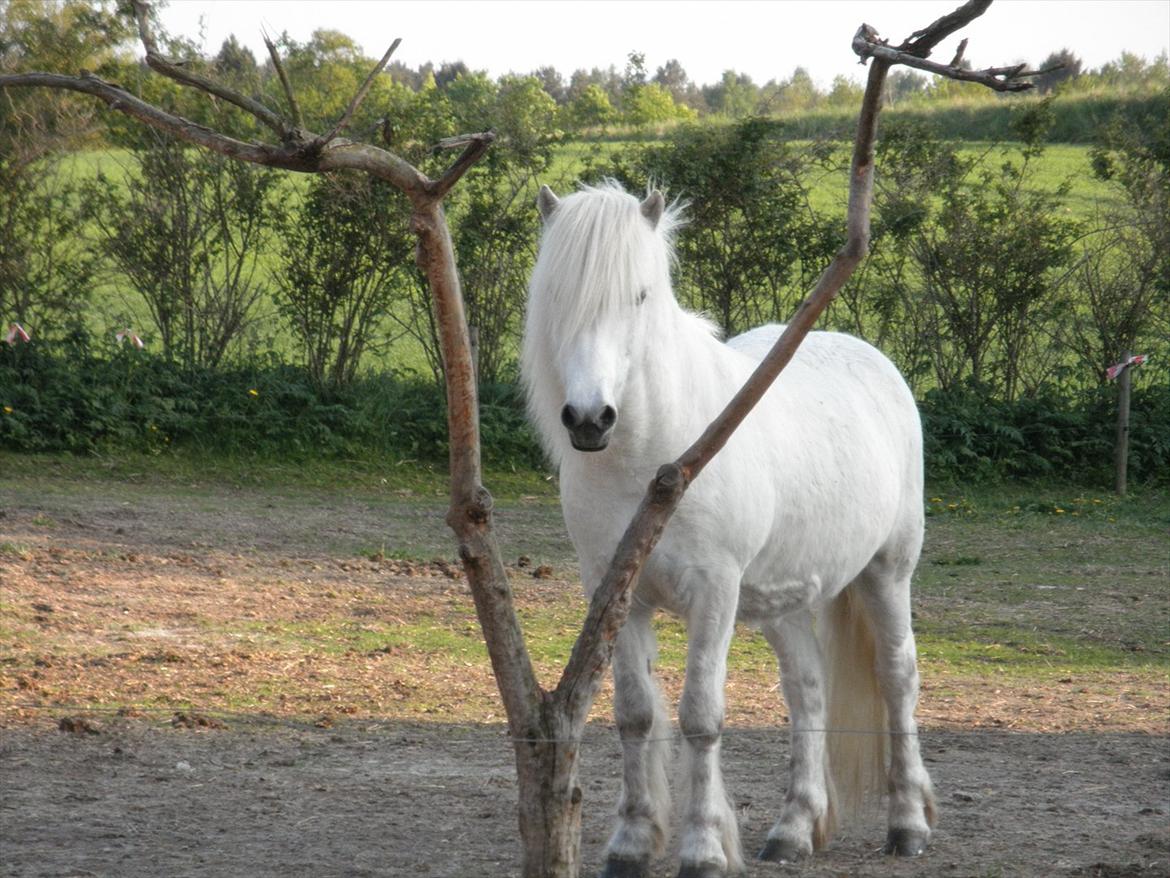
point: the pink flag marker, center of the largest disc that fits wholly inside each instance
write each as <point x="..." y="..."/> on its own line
<point x="16" y="333"/>
<point x="128" y="335"/>
<point x="1117" y="368"/>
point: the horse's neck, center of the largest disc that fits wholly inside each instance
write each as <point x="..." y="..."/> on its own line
<point x="684" y="381"/>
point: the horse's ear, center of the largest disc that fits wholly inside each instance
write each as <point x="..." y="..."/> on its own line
<point x="546" y="203"/>
<point x="653" y="207"/>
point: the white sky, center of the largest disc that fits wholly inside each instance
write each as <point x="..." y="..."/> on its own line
<point x="763" y="38"/>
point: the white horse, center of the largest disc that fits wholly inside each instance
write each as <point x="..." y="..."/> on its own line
<point x="814" y="507"/>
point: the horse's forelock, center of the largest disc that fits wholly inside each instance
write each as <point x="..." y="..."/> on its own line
<point x="594" y="257"/>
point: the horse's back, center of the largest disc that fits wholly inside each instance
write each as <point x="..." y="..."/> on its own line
<point x="844" y="429"/>
<point x="837" y="361"/>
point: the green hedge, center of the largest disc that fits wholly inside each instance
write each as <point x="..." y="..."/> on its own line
<point x="68" y="398"/>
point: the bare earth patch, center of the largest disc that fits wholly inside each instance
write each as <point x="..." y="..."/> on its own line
<point x="89" y="626"/>
<point x="222" y="686"/>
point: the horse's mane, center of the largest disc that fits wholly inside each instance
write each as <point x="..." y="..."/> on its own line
<point x="596" y="255"/>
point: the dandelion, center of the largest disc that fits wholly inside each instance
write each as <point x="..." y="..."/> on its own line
<point x="252" y="391"/>
<point x="7" y="409"/>
<point x="936" y="499"/>
<point x="1058" y="511"/>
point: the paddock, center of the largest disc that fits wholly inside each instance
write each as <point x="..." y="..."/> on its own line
<point x="218" y="722"/>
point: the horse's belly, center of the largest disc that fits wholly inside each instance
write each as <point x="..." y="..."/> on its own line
<point x="761" y="601"/>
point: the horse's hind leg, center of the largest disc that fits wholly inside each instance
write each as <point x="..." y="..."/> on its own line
<point x="806" y="820"/>
<point x="644" y="809"/>
<point x="885" y="592"/>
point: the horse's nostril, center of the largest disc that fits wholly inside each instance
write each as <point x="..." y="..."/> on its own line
<point x="569" y="417"/>
<point x="608" y="417"/>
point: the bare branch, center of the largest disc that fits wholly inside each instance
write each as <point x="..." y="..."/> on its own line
<point x="160" y="64"/>
<point x="914" y="51"/>
<point x="958" y="59"/>
<point x="359" y="97"/>
<point x="922" y="42"/>
<point x="293" y="106"/>
<point x="997" y="78"/>
<point x="476" y="146"/>
<point x="294" y="156"/>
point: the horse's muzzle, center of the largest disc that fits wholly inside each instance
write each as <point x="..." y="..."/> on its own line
<point x="589" y="431"/>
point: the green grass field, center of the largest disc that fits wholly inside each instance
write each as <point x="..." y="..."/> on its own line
<point x="115" y="305"/>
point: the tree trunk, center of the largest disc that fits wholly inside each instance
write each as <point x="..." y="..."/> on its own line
<point x="550" y="796"/>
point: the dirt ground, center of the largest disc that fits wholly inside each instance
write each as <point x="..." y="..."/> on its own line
<point x="241" y="751"/>
<point x="405" y="799"/>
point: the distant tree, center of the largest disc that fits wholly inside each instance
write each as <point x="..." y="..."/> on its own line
<point x="651" y="104"/>
<point x="1067" y="67"/>
<point x="448" y="72"/>
<point x="404" y="75"/>
<point x="235" y="62"/>
<point x="590" y="109"/>
<point x="553" y="84"/>
<point x="608" y="80"/>
<point x="635" y="72"/>
<point x="904" y="85"/>
<point x="844" y="93"/>
<point x="325" y="71"/>
<point x="674" y="79"/>
<point x="735" y="95"/>
<point x="1132" y="72"/>
<point x="798" y="92"/>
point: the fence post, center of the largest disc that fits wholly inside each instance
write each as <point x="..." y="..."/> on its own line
<point x="1121" y="446"/>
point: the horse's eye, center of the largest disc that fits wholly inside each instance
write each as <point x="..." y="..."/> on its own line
<point x="642" y="295"/>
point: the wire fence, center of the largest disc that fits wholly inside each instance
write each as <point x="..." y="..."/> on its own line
<point x="598" y="734"/>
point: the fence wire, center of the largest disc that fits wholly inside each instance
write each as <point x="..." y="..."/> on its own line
<point x="600" y="735"/>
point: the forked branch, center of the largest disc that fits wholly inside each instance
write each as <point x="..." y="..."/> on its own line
<point x="289" y="95"/>
<point x="914" y="51"/>
<point x="161" y="64"/>
<point x="358" y="97"/>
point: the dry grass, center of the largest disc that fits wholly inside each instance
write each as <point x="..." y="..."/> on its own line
<point x="85" y="627"/>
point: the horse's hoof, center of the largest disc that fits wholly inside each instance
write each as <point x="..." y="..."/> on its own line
<point x="620" y="867"/>
<point x="779" y="850"/>
<point x="905" y="843"/>
<point x="700" y="870"/>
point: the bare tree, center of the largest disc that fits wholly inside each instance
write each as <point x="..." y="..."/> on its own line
<point x="546" y="726"/>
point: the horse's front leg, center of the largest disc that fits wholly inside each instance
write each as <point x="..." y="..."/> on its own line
<point x="806" y="821"/>
<point x="709" y="835"/>
<point x="644" y="809"/>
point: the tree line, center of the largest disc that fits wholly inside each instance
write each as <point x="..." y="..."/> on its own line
<point x="213" y="251"/>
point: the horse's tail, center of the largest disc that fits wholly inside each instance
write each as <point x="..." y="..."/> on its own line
<point x="856" y="711"/>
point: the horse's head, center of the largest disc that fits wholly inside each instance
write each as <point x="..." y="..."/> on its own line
<point x="600" y="277"/>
